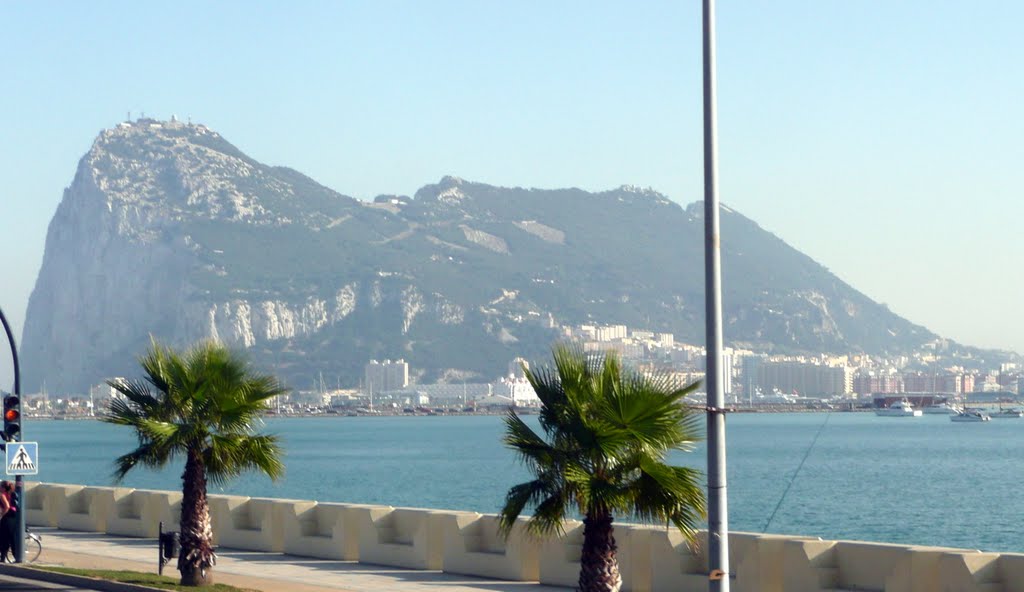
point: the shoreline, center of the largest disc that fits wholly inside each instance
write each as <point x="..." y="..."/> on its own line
<point x="443" y="413"/>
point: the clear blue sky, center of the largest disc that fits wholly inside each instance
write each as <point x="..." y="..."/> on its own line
<point x="881" y="138"/>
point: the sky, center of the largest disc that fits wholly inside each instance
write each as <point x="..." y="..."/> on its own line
<point x="883" y="139"/>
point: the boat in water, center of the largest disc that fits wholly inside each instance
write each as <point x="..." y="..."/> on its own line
<point x="970" y="415"/>
<point x="941" y="409"/>
<point x="1008" y="414"/>
<point x="899" y="409"/>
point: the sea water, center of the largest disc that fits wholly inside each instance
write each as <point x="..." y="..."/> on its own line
<point x="923" y="480"/>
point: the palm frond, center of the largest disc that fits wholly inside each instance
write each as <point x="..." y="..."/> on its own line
<point x="550" y="514"/>
<point x="665" y="493"/>
<point x="518" y="497"/>
<point x="607" y="430"/>
<point x="146" y="455"/>
<point x="230" y="456"/>
<point x="531" y="448"/>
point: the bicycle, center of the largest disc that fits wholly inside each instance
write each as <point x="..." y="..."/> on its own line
<point x="33" y="547"/>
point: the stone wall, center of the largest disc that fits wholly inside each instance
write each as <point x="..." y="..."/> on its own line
<point x="651" y="559"/>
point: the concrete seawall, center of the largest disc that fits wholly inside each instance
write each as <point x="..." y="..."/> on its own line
<point x="651" y="559"/>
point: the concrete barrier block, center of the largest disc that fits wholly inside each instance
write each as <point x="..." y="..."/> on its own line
<point x="757" y="561"/>
<point x="126" y="518"/>
<point x="865" y="566"/>
<point x="34" y="505"/>
<point x="140" y="513"/>
<point x="55" y="500"/>
<point x="401" y="537"/>
<point x="1011" y="572"/>
<point x="320" y="530"/>
<point x="969" y="571"/>
<point x="473" y="545"/>
<point x="223" y="509"/>
<point x="634" y="556"/>
<point x="559" y="562"/>
<point x="90" y="508"/>
<point x="346" y="530"/>
<point x="809" y="565"/>
<point x="163" y="506"/>
<point x="917" y="570"/>
<point x="256" y="524"/>
<point x="676" y="564"/>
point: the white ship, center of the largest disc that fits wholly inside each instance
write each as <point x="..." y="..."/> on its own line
<point x="970" y="415"/>
<point x="899" y="409"/>
<point x="941" y="409"/>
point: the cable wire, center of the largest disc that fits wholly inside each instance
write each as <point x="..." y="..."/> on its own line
<point x="796" y="472"/>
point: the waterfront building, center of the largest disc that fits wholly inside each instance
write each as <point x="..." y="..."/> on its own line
<point x="918" y="400"/>
<point x="749" y="368"/>
<point x="919" y="382"/>
<point x="804" y="378"/>
<point x="385" y="376"/>
<point x="866" y="382"/>
<point x="519" y="391"/>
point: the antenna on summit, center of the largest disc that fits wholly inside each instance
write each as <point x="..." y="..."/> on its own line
<point x="129" y="117"/>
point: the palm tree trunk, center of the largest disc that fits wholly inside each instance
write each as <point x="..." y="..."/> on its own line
<point x="197" y="557"/>
<point x="599" y="569"/>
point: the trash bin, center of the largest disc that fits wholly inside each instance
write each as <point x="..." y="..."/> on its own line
<point x="170" y="542"/>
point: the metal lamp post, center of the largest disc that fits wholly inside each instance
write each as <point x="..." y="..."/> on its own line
<point x="718" y="523"/>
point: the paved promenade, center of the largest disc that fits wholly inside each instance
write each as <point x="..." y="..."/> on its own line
<point x="270" y="572"/>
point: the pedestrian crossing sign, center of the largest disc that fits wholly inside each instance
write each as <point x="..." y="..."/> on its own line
<point x="22" y="458"/>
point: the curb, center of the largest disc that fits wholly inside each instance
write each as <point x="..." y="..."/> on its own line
<point x="31" y="573"/>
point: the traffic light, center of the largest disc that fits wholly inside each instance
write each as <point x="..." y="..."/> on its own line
<point x="12" y="418"/>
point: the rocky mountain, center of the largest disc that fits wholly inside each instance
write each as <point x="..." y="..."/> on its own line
<point x="169" y="230"/>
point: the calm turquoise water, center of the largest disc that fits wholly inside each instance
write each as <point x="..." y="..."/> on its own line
<point x="923" y="480"/>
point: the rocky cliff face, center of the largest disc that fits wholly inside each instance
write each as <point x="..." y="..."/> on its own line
<point x="169" y="231"/>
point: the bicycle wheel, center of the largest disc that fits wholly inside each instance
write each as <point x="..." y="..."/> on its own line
<point x="33" y="547"/>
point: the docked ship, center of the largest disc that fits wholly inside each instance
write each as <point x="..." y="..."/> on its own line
<point x="941" y="409"/>
<point x="899" y="409"/>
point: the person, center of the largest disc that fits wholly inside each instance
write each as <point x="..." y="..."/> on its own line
<point x="8" y="520"/>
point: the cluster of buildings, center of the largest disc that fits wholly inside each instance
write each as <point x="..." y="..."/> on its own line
<point x="749" y="378"/>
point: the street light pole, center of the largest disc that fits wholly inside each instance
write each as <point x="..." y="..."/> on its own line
<point x="18" y="544"/>
<point x="718" y="523"/>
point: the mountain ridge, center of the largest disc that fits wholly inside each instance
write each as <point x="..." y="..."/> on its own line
<point x="170" y="230"/>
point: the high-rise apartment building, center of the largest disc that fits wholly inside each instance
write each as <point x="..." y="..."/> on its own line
<point x="749" y="370"/>
<point x="385" y="376"/>
<point x="867" y="382"/>
<point x="610" y="332"/>
<point x="805" y="379"/>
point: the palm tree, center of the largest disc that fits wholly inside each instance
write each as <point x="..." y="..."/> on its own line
<point x="608" y="431"/>
<point x="202" y="404"/>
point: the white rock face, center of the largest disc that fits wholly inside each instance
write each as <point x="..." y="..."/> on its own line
<point x="484" y="239"/>
<point x="412" y="304"/>
<point x="542" y="231"/>
<point x="240" y="322"/>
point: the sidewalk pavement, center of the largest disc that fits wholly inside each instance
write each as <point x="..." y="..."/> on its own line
<point x="269" y="572"/>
